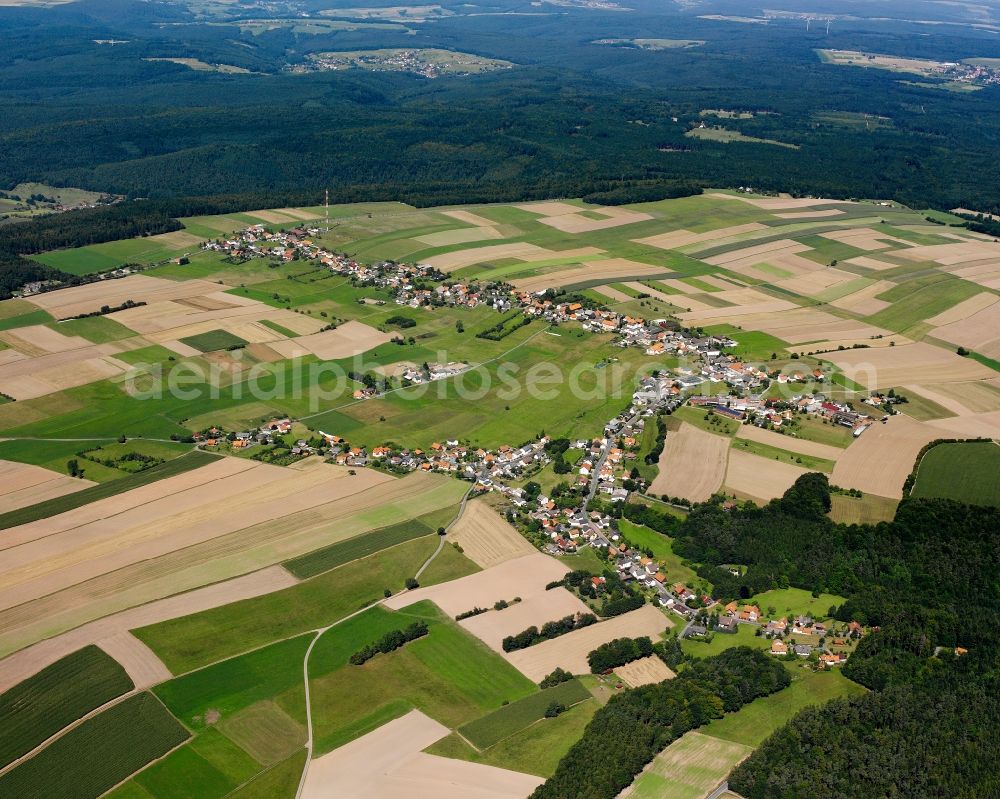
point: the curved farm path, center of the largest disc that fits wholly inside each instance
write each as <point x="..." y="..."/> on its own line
<point x="322" y="630"/>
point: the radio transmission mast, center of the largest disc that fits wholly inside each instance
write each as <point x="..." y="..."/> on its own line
<point x="327" y="206"/>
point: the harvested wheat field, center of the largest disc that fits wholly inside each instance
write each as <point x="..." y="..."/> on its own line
<point x="891" y="366"/>
<point x="609" y="269"/>
<point x="525" y="577"/>
<point x="551" y="208"/>
<point x="578" y="223"/>
<point x="22" y="484"/>
<point x="682" y="238"/>
<point x="878" y="461"/>
<point x="495" y="625"/>
<point x="299" y="213"/>
<point x="39" y="340"/>
<point x="656" y="295"/>
<point x="486" y="537"/>
<point x="955" y="254"/>
<point x="865" y="238"/>
<point x="645" y="671"/>
<point x="690" y="767"/>
<point x="470" y="218"/>
<point x="979" y="332"/>
<point x="523" y="251"/>
<point x="141" y="663"/>
<point x="350" y="338"/>
<point x="26" y="662"/>
<point x="865" y="301"/>
<point x="817" y="214"/>
<point x="447" y="238"/>
<point x="976" y="425"/>
<point x="779" y="203"/>
<point x="570" y="651"/>
<point x="964" y="309"/>
<point x="758" y="478"/>
<point x="871" y="263"/>
<point x="105" y="557"/>
<point x="981" y="396"/>
<point x="271" y="217"/>
<point x="751" y="432"/>
<point x="692" y="464"/>
<point x="140" y="288"/>
<point x="34" y="377"/>
<point x="812" y="283"/>
<point x="710" y="315"/>
<point x="389" y="762"/>
<point x="177" y="239"/>
<point x="614" y="294"/>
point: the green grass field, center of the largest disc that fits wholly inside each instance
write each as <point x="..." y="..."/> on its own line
<point x="715" y="423"/>
<point x="745" y="635"/>
<point x="448" y="674"/>
<point x="214" y="340"/>
<point x="754" y="722"/>
<point x="193" y="641"/>
<point x="96" y="329"/>
<point x="58" y="695"/>
<point x="209" y="767"/>
<point x="512" y="718"/>
<point x="964" y="472"/>
<point x="790" y="602"/>
<point x="358" y="547"/>
<point x="44" y="510"/>
<point x="97" y="755"/>
<point x="536" y="749"/>
<point x="28" y="317"/>
<point x="913" y="301"/>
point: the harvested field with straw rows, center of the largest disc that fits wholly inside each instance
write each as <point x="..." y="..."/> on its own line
<point x="892" y="366"/>
<point x="139" y="288"/>
<point x="878" y="461"/>
<point x="645" y="671"/>
<point x="692" y="464"/>
<point x="22" y="484"/>
<point x="755" y="477"/>
<point x="486" y="537"/>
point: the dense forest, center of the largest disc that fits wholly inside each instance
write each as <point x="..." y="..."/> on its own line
<point x="926" y="582"/>
<point x="573" y="117"/>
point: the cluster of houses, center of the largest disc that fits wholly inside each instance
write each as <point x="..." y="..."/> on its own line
<point x="776" y="412"/>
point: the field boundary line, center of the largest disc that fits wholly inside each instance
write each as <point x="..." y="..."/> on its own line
<point x="321" y="631"/>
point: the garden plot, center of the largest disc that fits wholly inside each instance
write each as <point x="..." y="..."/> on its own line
<point x="692" y="464"/>
<point x="759" y="478"/>
<point x="865" y="238"/>
<point x="645" y="671"/>
<point x="522" y="251"/>
<point x="525" y="577"/>
<point x="350" y="338"/>
<point x="570" y="651"/>
<point x="486" y="538"/>
<point x="389" y="762"/>
<point x="801" y="446"/>
<point x="885" y="367"/>
<point x="22" y="484"/>
<point x="878" y="461"/>
<point x="682" y="238"/>
<point x="609" y="269"/>
<point x="495" y="625"/>
<point x="107" y="632"/>
<point x="140" y="288"/>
